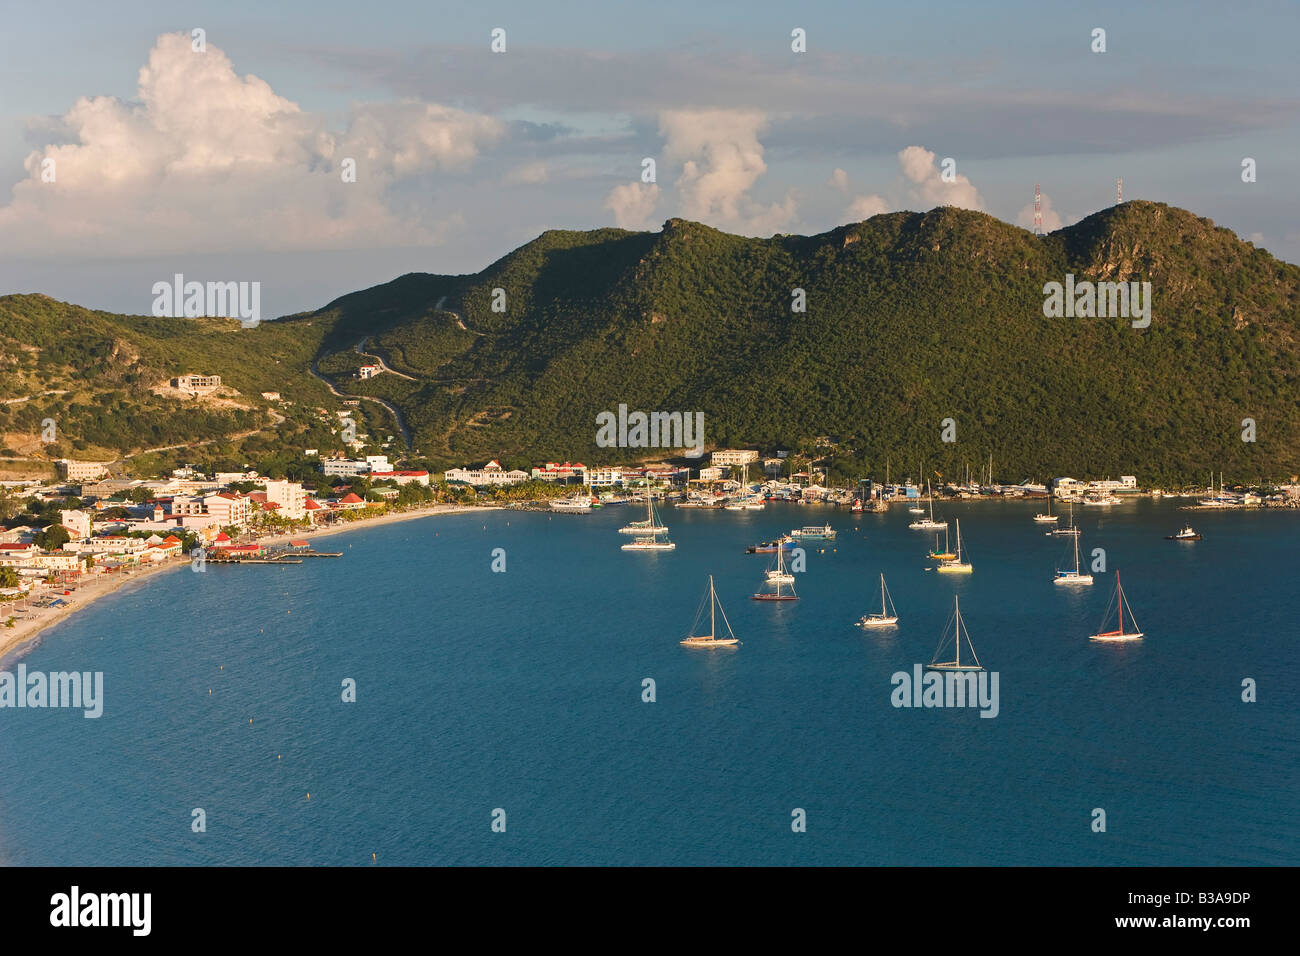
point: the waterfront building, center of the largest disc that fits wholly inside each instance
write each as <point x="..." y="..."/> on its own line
<point x="290" y="498"/>
<point x="732" y="456"/>
<point x="490" y="474"/>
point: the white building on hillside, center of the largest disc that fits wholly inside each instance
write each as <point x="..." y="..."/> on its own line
<point x="291" y="498"/>
<point x="490" y="474"/>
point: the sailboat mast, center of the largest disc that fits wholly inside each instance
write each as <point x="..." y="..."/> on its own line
<point x="882" y="596"/>
<point x="957" y="613"/>
<point x="713" y="603"/>
<point x="1119" y="593"/>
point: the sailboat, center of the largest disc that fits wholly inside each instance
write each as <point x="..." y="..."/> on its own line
<point x="712" y="639"/>
<point x="945" y="554"/>
<point x="777" y="579"/>
<point x="958" y="633"/>
<point x="1048" y="518"/>
<point x="649" y="526"/>
<point x="1117" y="604"/>
<point x="1076" y="576"/>
<point x="778" y="574"/>
<point x="928" y="524"/>
<point x="957" y="565"/>
<point x="1071" y="529"/>
<point x="888" y="616"/>
<point x="648" y="535"/>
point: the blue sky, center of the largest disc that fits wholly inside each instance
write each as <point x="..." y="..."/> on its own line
<point x="225" y="163"/>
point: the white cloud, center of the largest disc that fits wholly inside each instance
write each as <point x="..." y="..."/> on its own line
<point x="927" y="184"/>
<point x="633" y="204"/>
<point x="839" y="179"/>
<point x="1052" y="220"/>
<point x="721" y="159"/>
<point x="864" y="207"/>
<point x="208" y="160"/>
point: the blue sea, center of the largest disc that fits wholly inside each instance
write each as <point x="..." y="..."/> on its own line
<point x="522" y="691"/>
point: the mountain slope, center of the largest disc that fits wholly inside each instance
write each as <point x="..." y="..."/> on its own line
<point x="911" y="318"/>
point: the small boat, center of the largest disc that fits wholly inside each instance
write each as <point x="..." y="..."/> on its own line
<point x="814" y="533"/>
<point x="1117" y="605"/>
<point x="857" y="506"/>
<point x="888" y="616"/>
<point x="754" y="504"/>
<point x="1076" y="576"/>
<point x="712" y="639"/>
<point x="769" y="547"/>
<point x="959" y="633"/>
<point x="945" y="554"/>
<point x="928" y="524"/>
<point x="781" y="580"/>
<point x="1047" y="518"/>
<point x="1104" y="500"/>
<point x="1187" y="534"/>
<point x="957" y="565"/>
<point x="1071" y="529"/>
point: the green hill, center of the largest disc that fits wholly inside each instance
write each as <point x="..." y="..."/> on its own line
<point x="911" y="318"/>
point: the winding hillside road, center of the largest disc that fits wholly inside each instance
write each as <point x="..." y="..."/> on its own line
<point x="397" y="416"/>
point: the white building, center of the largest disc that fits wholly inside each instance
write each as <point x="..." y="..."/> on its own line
<point x="82" y="470"/>
<point x="291" y="498"/>
<point x="605" y="476"/>
<point x="368" y="371"/>
<point x="490" y="474"/>
<point x="346" y="467"/>
<point x="711" y="473"/>
<point x="77" y="522"/>
<point x="228" y="508"/>
<point x="197" y="383"/>
<point x="731" y="456"/>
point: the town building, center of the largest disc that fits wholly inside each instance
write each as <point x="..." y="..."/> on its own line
<point x="368" y="371"/>
<point x="566" y="472"/>
<point x="490" y="474"/>
<point x="77" y="522"/>
<point x="198" y="384"/>
<point x="290" y="497"/>
<point x="731" y="456"/>
<point x="82" y="470"/>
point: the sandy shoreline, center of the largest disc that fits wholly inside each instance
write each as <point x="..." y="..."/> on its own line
<point x="35" y="620"/>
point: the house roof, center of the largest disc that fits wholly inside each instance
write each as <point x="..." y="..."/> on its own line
<point x="349" y="499"/>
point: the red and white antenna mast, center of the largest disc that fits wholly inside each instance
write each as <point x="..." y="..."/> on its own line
<point x="1038" y="210"/>
<point x="1119" y="191"/>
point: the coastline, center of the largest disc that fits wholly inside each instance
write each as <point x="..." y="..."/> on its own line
<point x="36" y="621"/>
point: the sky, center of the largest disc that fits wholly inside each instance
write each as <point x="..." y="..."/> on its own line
<point x="132" y="148"/>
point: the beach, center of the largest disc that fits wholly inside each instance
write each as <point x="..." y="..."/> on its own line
<point x="32" y="621"/>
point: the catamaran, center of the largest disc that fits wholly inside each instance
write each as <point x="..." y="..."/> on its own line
<point x="650" y="525"/>
<point x="888" y="616"/>
<point x="1048" y="518"/>
<point x="711" y="639"/>
<point x="1117" y="605"/>
<point x="647" y="537"/>
<point x="1071" y="529"/>
<point x="928" y="524"/>
<point x="958" y="633"/>
<point x="1076" y="576"/>
<point x="956" y="564"/>
<point x="776" y="581"/>
<point x="578" y="505"/>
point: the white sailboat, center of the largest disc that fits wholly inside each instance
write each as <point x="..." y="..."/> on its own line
<point x="928" y="524"/>
<point x="778" y="574"/>
<point x="958" y="564"/>
<point x="650" y="525"/>
<point x="648" y="535"/>
<point x="888" y="616"/>
<point x="1048" y="518"/>
<point x="959" y="633"/>
<point x="1071" y="529"/>
<point x="1076" y="576"/>
<point x="1117" y="605"/>
<point x="711" y="639"/>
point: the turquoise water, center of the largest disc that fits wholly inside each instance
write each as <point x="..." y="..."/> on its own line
<point x="522" y="691"/>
